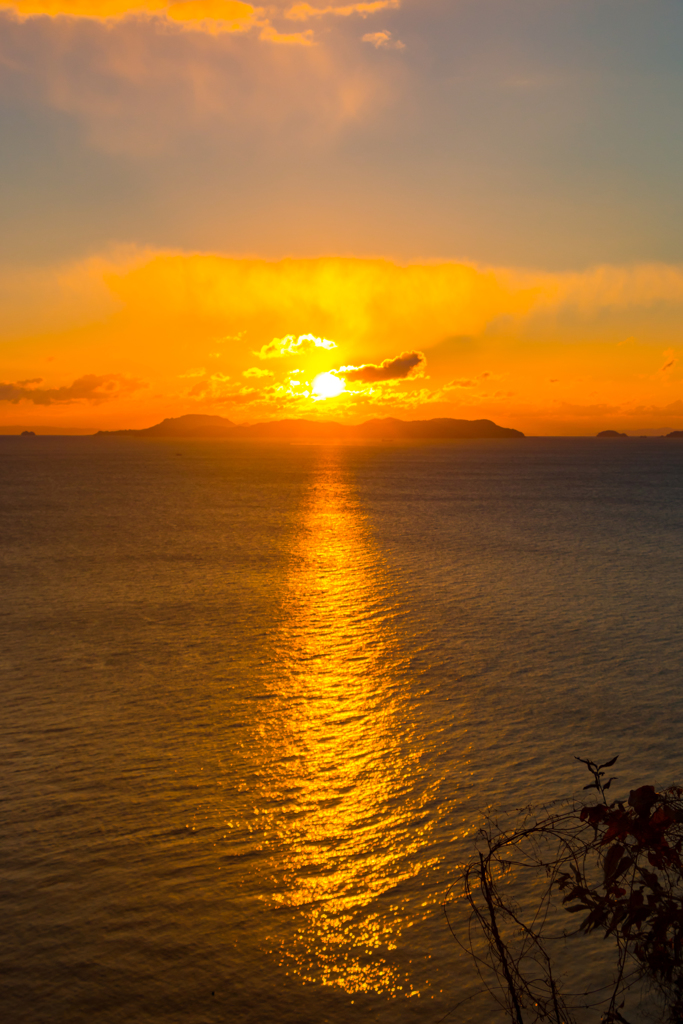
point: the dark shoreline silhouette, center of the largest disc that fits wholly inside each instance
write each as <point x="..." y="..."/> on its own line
<point x="389" y="429"/>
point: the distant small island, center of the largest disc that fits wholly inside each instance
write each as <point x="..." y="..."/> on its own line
<point x="389" y="429"/>
<point x="615" y="433"/>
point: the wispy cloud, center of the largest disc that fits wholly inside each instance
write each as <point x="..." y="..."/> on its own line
<point x="304" y="11"/>
<point x="213" y="17"/>
<point x="383" y="40"/>
<point x="256" y="371"/>
<point x="293" y="346"/>
<point x="271" y="35"/>
<point x="137" y="83"/>
<point x="89" y="388"/>
<point x="234" y="15"/>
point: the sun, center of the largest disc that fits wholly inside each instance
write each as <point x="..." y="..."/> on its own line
<point x="326" y="385"/>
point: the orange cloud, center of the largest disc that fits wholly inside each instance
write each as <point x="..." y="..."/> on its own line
<point x="219" y="10"/>
<point x="86" y="8"/>
<point x="271" y="35"/>
<point x="213" y="17"/>
<point x="256" y="371"/>
<point x="304" y="11"/>
<point x="210" y="16"/>
<point x="89" y="388"/>
<point x="232" y="13"/>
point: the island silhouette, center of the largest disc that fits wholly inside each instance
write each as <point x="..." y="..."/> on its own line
<point x="389" y="429"/>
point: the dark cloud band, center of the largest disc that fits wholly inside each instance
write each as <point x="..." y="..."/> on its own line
<point x="90" y="388"/>
<point x="389" y="369"/>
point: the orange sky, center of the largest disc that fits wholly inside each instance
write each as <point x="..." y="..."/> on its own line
<point x="128" y="340"/>
<point x="467" y="209"/>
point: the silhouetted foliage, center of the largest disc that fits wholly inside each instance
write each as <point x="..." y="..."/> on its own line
<point x="619" y="865"/>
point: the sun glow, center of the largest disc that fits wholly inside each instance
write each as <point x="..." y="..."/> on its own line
<point x="326" y="385"/>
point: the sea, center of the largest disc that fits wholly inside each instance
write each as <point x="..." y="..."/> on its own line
<point x="258" y="698"/>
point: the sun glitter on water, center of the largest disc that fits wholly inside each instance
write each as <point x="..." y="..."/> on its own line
<point x="326" y="385"/>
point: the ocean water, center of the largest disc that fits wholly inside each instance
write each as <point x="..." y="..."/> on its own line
<point x="256" y="697"/>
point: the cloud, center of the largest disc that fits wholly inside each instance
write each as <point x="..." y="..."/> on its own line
<point x="389" y="369"/>
<point x="213" y="17"/>
<point x="672" y="409"/>
<point x="291" y="346"/>
<point x="137" y="84"/>
<point x="373" y="300"/>
<point x="214" y="387"/>
<point x="271" y="35"/>
<point x="212" y="384"/>
<point x="214" y="390"/>
<point x="49" y="298"/>
<point x="256" y="371"/>
<point x="599" y="409"/>
<point x="85" y="8"/>
<point x="304" y="11"/>
<point x="233" y="14"/>
<point x="383" y="40"/>
<point x="470" y="383"/>
<point x="89" y="388"/>
<point x="237" y="396"/>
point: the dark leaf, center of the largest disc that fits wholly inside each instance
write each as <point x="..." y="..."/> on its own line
<point x="608" y="764"/>
<point x="622" y="866"/>
<point x="642" y="799"/>
<point x="651" y="878"/>
<point x="591" y="785"/>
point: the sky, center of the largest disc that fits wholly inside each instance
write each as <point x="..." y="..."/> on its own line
<point x="466" y="208"/>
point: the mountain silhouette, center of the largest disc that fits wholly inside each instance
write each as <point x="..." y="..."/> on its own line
<point x="389" y="429"/>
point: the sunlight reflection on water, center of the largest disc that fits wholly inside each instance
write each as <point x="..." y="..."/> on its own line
<point x="344" y="812"/>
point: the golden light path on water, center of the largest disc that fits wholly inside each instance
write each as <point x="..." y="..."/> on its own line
<point x="346" y="820"/>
